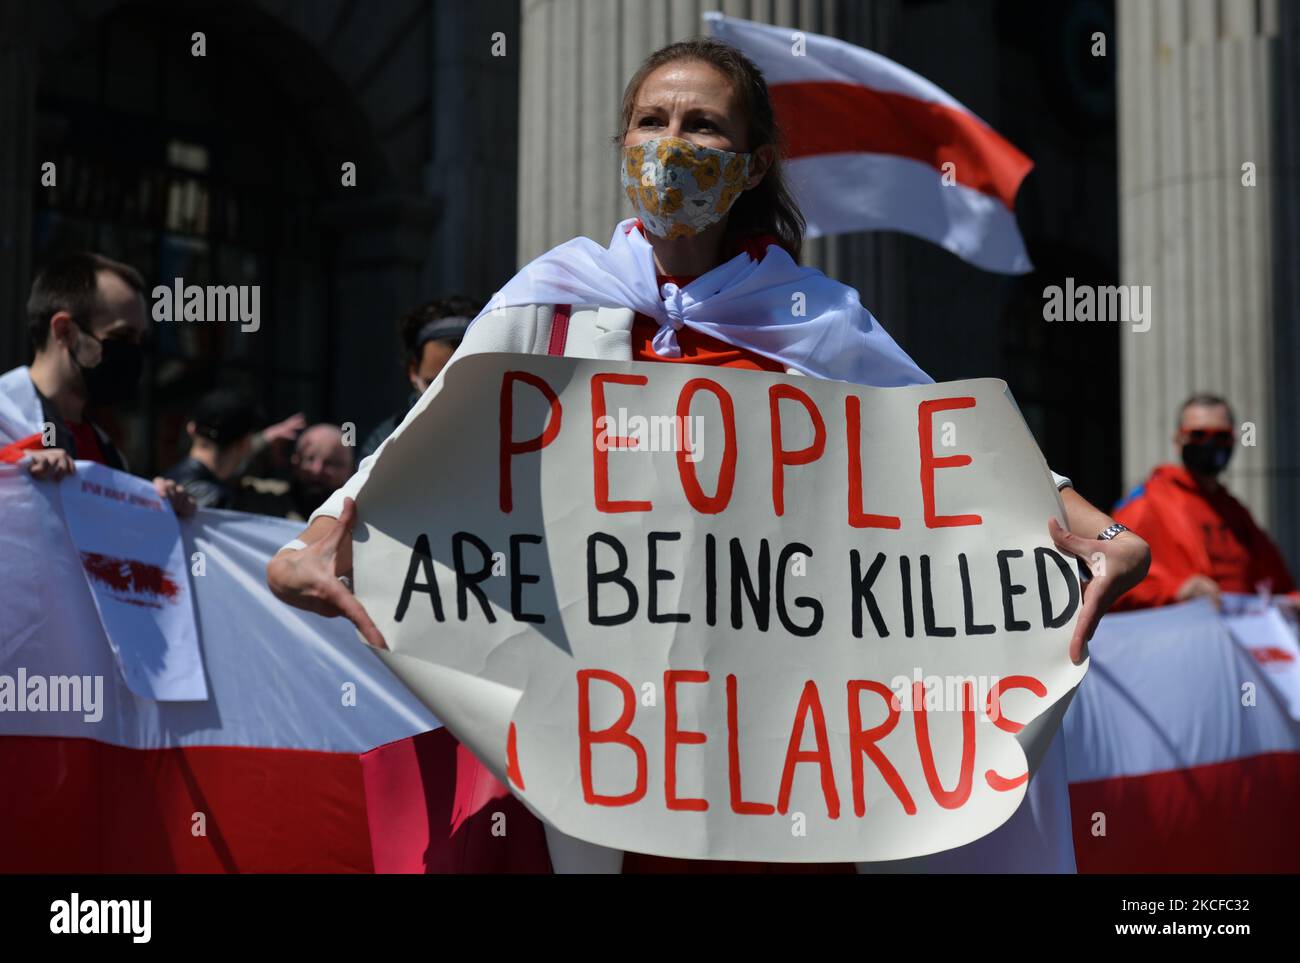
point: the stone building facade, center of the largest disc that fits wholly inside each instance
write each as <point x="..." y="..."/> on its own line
<point x="481" y="136"/>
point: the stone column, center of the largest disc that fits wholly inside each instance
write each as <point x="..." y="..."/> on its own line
<point x="1284" y="258"/>
<point x="1205" y="88"/>
<point x="474" y="147"/>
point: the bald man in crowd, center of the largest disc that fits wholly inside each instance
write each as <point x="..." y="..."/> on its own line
<point x="321" y="463"/>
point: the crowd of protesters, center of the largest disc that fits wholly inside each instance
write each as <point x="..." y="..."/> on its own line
<point x="87" y="321"/>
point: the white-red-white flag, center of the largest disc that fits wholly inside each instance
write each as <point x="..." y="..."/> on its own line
<point x="1182" y="752"/>
<point x="874" y="146"/>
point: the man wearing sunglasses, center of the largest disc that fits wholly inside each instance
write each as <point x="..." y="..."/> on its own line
<point x="1203" y="541"/>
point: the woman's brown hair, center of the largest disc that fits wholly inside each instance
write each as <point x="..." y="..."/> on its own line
<point x="768" y="208"/>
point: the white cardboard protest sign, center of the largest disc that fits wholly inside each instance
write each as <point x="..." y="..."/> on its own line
<point x="710" y="648"/>
<point x="131" y="552"/>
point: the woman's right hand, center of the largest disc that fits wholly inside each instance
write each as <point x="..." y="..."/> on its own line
<point x="309" y="578"/>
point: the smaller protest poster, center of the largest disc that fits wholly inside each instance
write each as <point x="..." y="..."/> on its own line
<point x="131" y="552"/>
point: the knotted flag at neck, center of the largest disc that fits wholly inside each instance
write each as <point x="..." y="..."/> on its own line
<point x="772" y="306"/>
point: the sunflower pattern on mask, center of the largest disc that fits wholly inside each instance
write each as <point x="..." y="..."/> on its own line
<point x="733" y="182"/>
<point x="678" y="188"/>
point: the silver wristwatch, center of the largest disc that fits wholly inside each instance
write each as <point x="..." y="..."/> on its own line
<point x="1111" y="532"/>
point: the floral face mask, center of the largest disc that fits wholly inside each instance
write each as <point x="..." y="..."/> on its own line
<point x="679" y="189"/>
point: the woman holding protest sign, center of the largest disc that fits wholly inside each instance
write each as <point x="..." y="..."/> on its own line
<point x="707" y="274"/>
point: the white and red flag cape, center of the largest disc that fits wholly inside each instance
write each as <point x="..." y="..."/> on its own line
<point x="874" y="146"/>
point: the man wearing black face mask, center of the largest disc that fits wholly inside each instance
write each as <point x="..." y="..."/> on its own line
<point x="1203" y="541"/>
<point x="87" y="319"/>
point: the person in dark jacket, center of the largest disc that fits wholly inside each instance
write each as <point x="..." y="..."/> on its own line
<point x="223" y="441"/>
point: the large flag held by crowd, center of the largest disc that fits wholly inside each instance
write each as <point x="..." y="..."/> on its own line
<point x="874" y="146"/>
<point x="1182" y="744"/>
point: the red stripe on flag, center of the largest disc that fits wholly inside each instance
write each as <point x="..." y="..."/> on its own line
<point x="420" y="821"/>
<point x="15" y="451"/>
<point x="822" y="117"/>
<point x="81" y="806"/>
<point x="1230" y="817"/>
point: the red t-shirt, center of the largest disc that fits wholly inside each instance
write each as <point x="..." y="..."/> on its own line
<point x="88" y="448"/>
<point x="699" y="348"/>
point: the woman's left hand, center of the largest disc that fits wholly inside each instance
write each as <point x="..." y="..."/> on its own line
<point x="1117" y="564"/>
